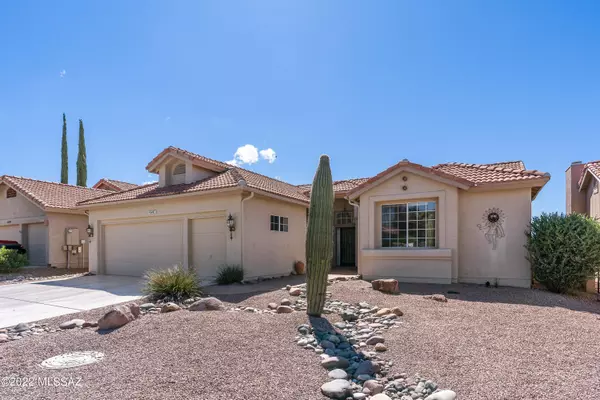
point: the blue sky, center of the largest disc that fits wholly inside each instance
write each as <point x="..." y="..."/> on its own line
<point x="432" y="81"/>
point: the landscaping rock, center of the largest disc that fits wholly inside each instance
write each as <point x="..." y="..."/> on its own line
<point x="381" y="396"/>
<point x="383" y="312"/>
<point x="380" y="347"/>
<point x="335" y="362"/>
<point x="360" y="396"/>
<point x="386" y="285"/>
<point x="337" y="374"/>
<point x="373" y="340"/>
<point x="22" y="327"/>
<point x="170" y="307"/>
<point x="207" y="304"/>
<point x="286" y="302"/>
<point x="442" y="395"/>
<point x="367" y="367"/>
<point x="134" y="309"/>
<point x="336" y="389"/>
<point x="147" y="306"/>
<point x="373" y="386"/>
<point x="272" y="306"/>
<point x="437" y="297"/>
<point x="295" y="291"/>
<point x="284" y="310"/>
<point x="89" y="324"/>
<point x="349" y="316"/>
<point x="72" y="324"/>
<point x="3" y="337"/>
<point x="116" y="318"/>
<point x="397" y="311"/>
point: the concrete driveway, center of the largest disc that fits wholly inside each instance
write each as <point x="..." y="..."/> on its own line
<point x="28" y="302"/>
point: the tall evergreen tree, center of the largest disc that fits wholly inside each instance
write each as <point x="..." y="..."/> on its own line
<point x="81" y="158"/>
<point x="64" y="154"/>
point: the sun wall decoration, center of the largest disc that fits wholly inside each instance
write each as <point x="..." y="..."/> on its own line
<point x="491" y="225"/>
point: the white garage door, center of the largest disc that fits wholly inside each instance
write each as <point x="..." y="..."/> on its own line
<point x="11" y="232"/>
<point x="37" y="240"/>
<point x="131" y="249"/>
<point x="207" y="245"/>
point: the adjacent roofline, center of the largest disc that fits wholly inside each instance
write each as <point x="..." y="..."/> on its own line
<point x="110" y="182"/>
<point x="197" y="159"/>
<point x="491" y="167"/>
<point x="417" y="169"/>
<point x="583" y="179"/>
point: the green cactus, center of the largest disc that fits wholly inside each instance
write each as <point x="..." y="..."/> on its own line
<point x="319" y="238"/>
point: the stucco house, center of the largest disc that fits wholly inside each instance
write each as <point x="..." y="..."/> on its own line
<point x="39" y="215"/>
<point x="583" y="188"/>
<point x="442" y="224"/>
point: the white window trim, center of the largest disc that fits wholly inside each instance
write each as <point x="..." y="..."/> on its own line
<point x="406" y="204"/>
<point x="440" y="195"/>
<point x="279" y="224"/>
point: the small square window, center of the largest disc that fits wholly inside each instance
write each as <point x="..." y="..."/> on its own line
<point x="279" y="224"/>
<point x="11" y="193"/>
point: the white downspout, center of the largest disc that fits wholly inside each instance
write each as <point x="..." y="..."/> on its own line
<point x="357" y="205"/>
<point x="242" y="218"/>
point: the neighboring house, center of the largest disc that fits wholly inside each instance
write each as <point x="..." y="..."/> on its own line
<point x="583" y="186"/>
<point x="448" y="223"/>
<point x="38" y="215"/>
<point x="113" y="185"/>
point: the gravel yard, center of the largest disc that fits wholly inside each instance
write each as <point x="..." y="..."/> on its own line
<point x="29" y="274"/>
<point x="483" y="344"/>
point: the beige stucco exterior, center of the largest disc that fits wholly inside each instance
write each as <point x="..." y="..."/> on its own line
<point x="200" y="237"/>
<point x="462" y="254"/>
<point x="592" y="199"/>
<point x="40" y="231"/>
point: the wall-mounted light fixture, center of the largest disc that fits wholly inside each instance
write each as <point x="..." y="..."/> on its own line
<point x="90" y="231"/>
<point x="231" y="225"/>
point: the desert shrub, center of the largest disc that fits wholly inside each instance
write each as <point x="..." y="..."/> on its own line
<point x="230" y="274"/>
<point x="172" y="284"/>
<point x="564" y="250"/>
<point x="11" y="260"/>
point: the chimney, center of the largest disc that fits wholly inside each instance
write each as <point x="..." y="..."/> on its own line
<point x="575" y="199"/>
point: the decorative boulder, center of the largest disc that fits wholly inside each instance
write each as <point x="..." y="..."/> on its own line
<point x="170" y="307"/>
<point x="295" y="291"/>
<point x="337" y="389"/>
<point x="386" y="285"/>
<point x="72" y="324"/>
<point x="284" y="310"/>
<point x="373" y="386"/>
<point x="134" y="309"/>
<point x="207" y="304"/>
<point x="116" y="318"/>
<point x="442" y="395"/>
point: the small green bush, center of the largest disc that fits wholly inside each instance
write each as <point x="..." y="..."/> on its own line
<point x="11" y="260"/>
<point x="564" y="251"/>
<point x="230" y="274"/>
<point x="172" y="284"/>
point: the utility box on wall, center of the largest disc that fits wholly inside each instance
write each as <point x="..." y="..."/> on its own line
<point x="72" y="237"/>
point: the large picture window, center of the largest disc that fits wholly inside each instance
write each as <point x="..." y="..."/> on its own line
<point x="408" y="224"/>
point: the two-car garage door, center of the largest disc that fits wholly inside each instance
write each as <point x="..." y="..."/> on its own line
<point x="133" y="248"/>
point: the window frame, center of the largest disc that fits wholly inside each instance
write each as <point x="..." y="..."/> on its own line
<point x="411" y="224"/>
<point x="11" y="193"/>
<point x="182" y="169"/>
<point x="279" y="222"/>
<point x="349" y="214"/>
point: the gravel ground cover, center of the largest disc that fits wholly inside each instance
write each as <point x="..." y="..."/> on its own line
<point x="29" y="274"/>
<point x="484" y="343"/>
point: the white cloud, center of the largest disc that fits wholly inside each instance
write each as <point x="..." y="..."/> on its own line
<point x="63" y="73"/>
<point x="269" y="155"/>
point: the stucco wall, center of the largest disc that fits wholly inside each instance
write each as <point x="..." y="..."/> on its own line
<point x="479" y="262"/>
<point x="17" y="207"/>
<point x="438" y="265"/>
<point x="182" y="208"/>
<point x="593" y="199"/>
<point x="266" y="252"/>
<point x="57" y="224"/>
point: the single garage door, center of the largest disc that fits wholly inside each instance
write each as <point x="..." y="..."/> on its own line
<point x="207" y="245"/>
<point x="10" y="232"/>
<point x="37" y="240"/>
<point x="131" y="249"/>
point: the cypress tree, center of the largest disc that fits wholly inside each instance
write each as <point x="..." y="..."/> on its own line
<point x="81" y="158"/>
<point x="64" y="154"/>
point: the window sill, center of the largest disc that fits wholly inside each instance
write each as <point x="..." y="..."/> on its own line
<point x="409" y="254"/>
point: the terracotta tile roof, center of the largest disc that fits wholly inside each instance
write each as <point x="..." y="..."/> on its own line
<point x="228" y="179"/>
<point x="51" y="194"/>
<point x="338" y="186"/>
<point x="520" y="165"/>
<point x="593" y="167"/>
<point x="115" y="184"/>
<point x="479" y="174"/>
<point x="219" y="166"/>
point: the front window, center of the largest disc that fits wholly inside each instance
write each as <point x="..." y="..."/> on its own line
<point x="279" y="224"/>
<point x="343" y="217"/>
<point x="408" y="224"/>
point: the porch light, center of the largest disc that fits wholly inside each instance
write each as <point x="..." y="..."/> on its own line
<point x="90" y="231"/>
<point x="231" y="225"/>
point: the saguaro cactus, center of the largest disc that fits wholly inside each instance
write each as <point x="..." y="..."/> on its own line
<point x="319" y="238"/>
